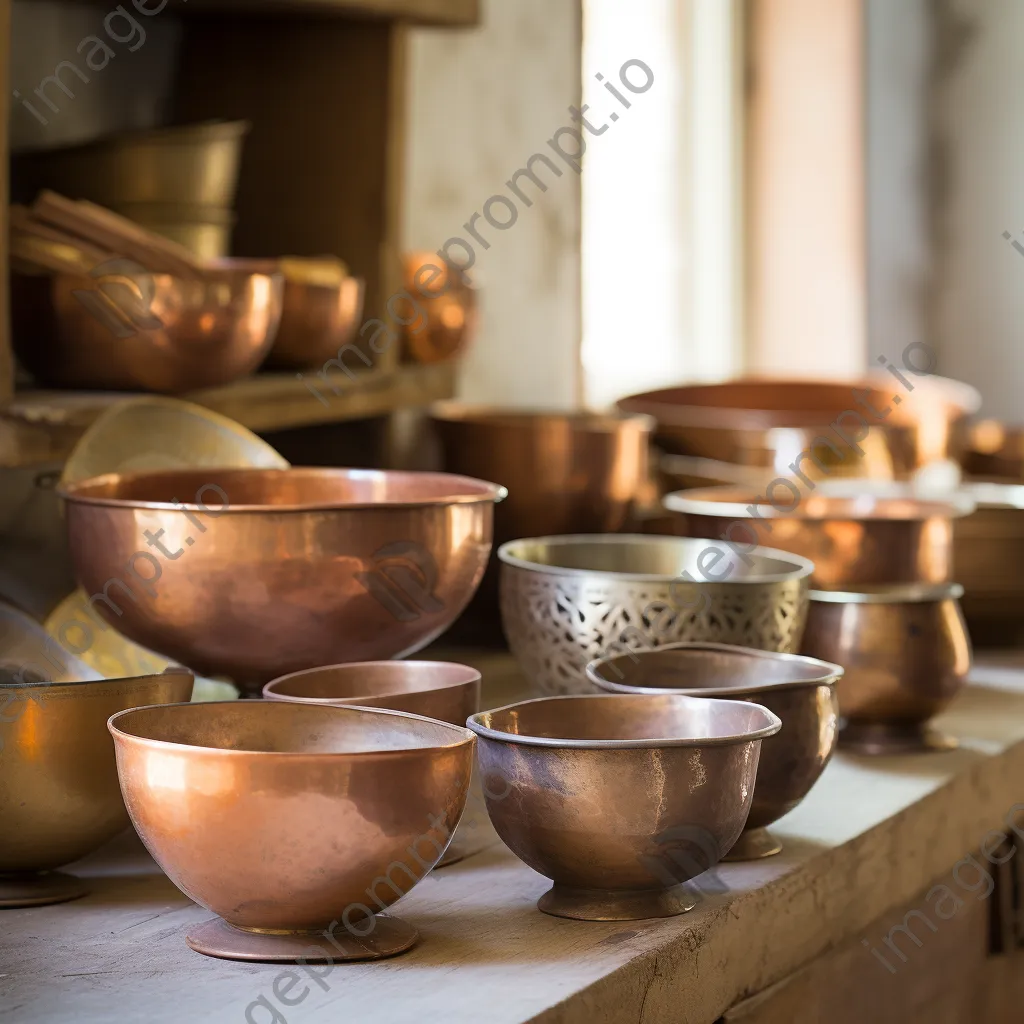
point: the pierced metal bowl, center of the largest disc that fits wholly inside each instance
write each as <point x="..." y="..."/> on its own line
<point x="566" y="601"/>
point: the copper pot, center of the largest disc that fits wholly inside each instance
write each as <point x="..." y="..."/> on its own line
<point x="800" y="691"/>
<point x="865" y="539"/>
<point x="906" y="652"/>
<point x="261" y="572"/>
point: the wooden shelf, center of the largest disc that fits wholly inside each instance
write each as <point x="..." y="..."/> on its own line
<point x="41" y="426"/>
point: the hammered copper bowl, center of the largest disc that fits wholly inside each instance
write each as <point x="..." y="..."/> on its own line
<point x="801" y="691"/>
<point x="262" y="572"/>
<point x="434" y="689"/>
<point x="568" y="600"/>
<point x="128" y="330"/>
<point x="619" y="800"/>
<point x="59" y="798"/>
<point x="852" y="540"/>
<point x="295" y="824"/>
<point x="906" y="652"/>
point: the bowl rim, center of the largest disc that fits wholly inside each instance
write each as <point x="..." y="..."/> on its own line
<point x="465" y="735"/>
<point x="452" y="411"/>
<point x="472" y="676"/>
<point x="829" y="673"/>
<point x="50" y="686"/>
<point x="485" y="490"/>
<point x="705" y="501"/>
<point x="801" y="567"/>
<point x="891" y="593"/>
<point x="475" y="723"/>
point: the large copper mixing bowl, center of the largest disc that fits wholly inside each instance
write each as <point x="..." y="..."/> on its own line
<point x="620" y="799"/>
<point x="434" y="689"/>
<point x="59" y="798"/>
<point x="906" y="652"/>
<point x="295" y="824"/>
<point x="851" y="540"/>
<point x="824" y="426"/>
<point x="128" y="330"/>
<point x="256" y="573"/>
<point x="568" y="600"/>
<point x="801" y="691"/>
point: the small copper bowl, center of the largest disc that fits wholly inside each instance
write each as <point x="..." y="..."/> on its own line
<point x="434" y="689"/>
<point x="289" y="820"/>
<point x="619" y="800"/>
<point x="59" y="798"/>
<point x="443" y="317"/>
<point x="801" y="691"/>
<point x="852" y="540"/>
<point x="906" y="652"/>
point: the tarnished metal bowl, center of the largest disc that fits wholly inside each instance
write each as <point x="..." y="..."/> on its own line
<point x="852" y="540"/>
<point x="59" y="797"/>
<point x="906" y="652"/>
<point x="566" y="601"/>
<point x="434" y="689"/>
<point x="295" y="824"/>
<point x="255" y="573"/>
<point x="128" y="330"/>
<point x="801" y="691"/>
<point x="620" y="799"/>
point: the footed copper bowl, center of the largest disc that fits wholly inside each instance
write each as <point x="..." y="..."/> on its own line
<point x="801" y="691"/>
<point x="434" y="689"/>
<point x="295" y="824"/>
<point x="255" y="573"/>
<point x="906" y="652"/>
<point x="619" y="800"/>
<point x="59" y="798"/>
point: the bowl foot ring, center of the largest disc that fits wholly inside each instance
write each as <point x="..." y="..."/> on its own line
<point x="753" y="844"/>
<point x="389" y="937"/>
<point x="886" y="738"/>
<point x="616" y="905"/>
<point x="40" y="890"/>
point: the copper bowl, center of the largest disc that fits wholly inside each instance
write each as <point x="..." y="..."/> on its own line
<point x="288" y="820"/>
<point x="801" y="691"/>
<point x="319" y="316"/>
<point x="442" y="318"/>
<point x="434" y="689"/>
<point x="568" y="600"/>
<point x="133" y="331"/>
<point x="270" y="571"/>
<point x="854" y="540"/>
<point x="770" y="423"/>
<point x="619" y="800"/>
<point x="59" y="798"/>
<point x="906" y="652"/>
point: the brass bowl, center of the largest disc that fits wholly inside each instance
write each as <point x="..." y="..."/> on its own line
<point x="619" y="800"/>
<point x="59" y="798"/>
<point x="433" y="689"/>
<point x="770" y="423"/>
<point x="566" y="601"/>
<point x="269" y="571"/>
<point x="134" y="331"/>
<point x="320" y="316"/>
<point x="864" y="539"/>
<point x="800" y="691"/>
<point x="203" y="230"/>
<point x="288" y="820"/>
<point x="906" y="652"/>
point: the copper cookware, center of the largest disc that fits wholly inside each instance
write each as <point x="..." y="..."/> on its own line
<point x="322" y="307"/>
<point x="568" y="600"/>
<point x="772" y="423"/>
<point x="852" y="540"/>
<point x="295" y="824"/>
<point x="434" y="689"/>
<point x="442" y="316"/>
<point x="906" y="652"/>
<point x="256" y="573"/>
<point x="800" y="691"/>
<point x="59" y="798"/>
<point x="995" y="451"/>
<point x="126" y="329"/>
<point x="620" y="799"/>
